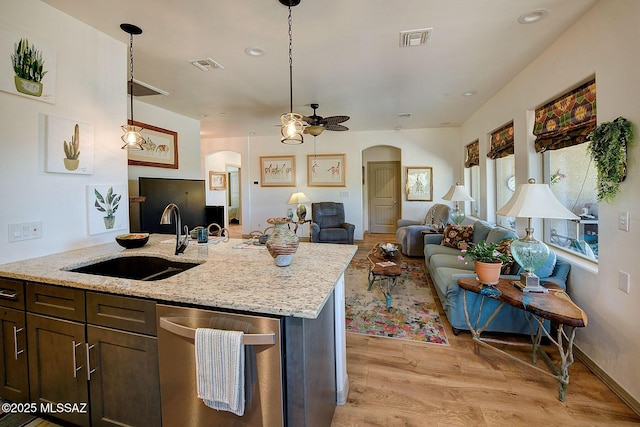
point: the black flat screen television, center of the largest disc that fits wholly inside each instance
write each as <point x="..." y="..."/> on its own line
<point x="187" y="194"/>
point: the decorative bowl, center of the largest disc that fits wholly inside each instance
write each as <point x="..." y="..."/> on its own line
<point x="389" y="250"/>
<point x="132" y="240"/>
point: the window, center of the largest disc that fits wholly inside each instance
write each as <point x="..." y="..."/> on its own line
<point x="502" y="141"/>
<point x="472" y="162"/>
<point x="561" y="129"/>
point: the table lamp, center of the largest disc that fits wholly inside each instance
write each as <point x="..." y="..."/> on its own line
<point x="532" y="200"/>
<point x="299" y="198"/>
<point x="457" y="193"/>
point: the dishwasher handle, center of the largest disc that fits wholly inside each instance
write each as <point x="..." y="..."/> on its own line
<point x="168" y="323"/>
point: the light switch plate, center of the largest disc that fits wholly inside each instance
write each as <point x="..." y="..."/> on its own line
<point x="623" y="281"/>
<point x="623" y="221"/>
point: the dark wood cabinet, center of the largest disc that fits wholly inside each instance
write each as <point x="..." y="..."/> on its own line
<point x="14" y="367"/>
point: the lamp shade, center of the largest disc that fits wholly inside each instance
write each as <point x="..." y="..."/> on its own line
<point x="533" y="200"/>
<point x="458" y="193"/>
<point x="298" y="197"/>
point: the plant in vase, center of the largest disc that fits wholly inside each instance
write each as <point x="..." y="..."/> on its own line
<point x="72" y="150"/>
<point x="488" y="261"/>
<point x="109" y="205"/>
<point x="29" y="68"/>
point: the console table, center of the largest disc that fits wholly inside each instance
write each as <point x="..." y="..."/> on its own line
<point x="555" y="306"/>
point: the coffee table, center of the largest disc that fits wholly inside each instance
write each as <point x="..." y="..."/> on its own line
<point x="555" y="306"/>
<point x="384" y="270"/>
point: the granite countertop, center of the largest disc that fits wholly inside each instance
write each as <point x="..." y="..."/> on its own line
<point x="240" y="279"/>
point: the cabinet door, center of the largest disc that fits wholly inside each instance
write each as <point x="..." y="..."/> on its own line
<point x="124" y="384"/>
<point x="14" y="369"/>
<point x="57" y="371"/>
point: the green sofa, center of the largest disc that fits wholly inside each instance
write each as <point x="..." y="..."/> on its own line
<point x="445" y="269"/>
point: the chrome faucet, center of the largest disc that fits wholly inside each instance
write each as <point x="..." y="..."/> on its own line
<point x="181" y="244"/>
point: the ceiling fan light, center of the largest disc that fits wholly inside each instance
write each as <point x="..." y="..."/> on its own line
<point x="314" y="130"/>
<point x="132" y="138"/>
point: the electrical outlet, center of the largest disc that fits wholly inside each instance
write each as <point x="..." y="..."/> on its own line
<point x="25" y="231"/>
<point x="623" y="281"/>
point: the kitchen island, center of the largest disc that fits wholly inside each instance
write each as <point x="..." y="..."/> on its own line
<point x="242" y="280"/>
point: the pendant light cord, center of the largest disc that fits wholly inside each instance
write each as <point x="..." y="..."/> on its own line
<point x="131" y="73"/>
<point x="290" y="62"/>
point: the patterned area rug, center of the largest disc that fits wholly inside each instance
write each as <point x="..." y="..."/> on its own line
<point x="413" y="314"/>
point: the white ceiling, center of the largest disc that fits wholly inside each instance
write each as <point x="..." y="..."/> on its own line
<point x="346" y="56"/>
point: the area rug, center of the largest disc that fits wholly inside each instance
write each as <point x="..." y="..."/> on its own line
<point x="413" y="314"/>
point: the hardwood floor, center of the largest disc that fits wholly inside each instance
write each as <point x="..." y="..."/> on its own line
<point x="401" y="383"/>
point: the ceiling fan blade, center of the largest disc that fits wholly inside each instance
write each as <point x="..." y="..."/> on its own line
<point x="336" y="127"/>
<point x="334" y="120"/>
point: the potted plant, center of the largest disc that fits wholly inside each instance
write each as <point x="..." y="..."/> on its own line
<point x="71" y="150"/>
<point x="608" y="148"/>
<point x="29" y="68"/>
<point x="108" y="205"/>
<point x="488" y="261"/>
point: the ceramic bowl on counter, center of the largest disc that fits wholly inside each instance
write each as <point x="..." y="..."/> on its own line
<point x="132" y="240"/>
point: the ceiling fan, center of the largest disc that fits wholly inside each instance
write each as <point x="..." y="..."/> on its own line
<point x="317" y="124"/>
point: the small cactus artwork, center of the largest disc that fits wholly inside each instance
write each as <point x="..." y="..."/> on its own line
<point x="72" y="150"/>
<point x="65" y="151"/>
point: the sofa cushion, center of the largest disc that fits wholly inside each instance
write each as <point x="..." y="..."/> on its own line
<point x="504" y="247"/>
<point x="480" y="230"/>
<point x="498" y="234"/>
<point x="457" y="236"/>
<point x="430" y="250"/>
<point x="449" y="261"/>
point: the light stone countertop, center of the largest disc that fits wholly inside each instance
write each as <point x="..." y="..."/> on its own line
<point x="238" y="279"/>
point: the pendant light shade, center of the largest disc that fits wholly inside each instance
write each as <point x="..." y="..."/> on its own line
<point x="292" y="124"/>
<point x="132" y="138"/>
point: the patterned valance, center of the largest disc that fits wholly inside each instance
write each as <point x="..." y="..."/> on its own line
<point x="473" y="154"/>
<point x="502" y="141"/>
<point x="566" y="121"/>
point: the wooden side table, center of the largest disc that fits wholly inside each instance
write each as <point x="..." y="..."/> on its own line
<point x="555" y="306"/>
<point x="385" y="270"/>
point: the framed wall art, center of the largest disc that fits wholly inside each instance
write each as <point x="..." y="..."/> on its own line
<point x="326" y="170"/>
<point x="419" y="183"/>
<point x="217" y="180"/>
<point x="103" y="208"/>
<point x="160" y="147"/>
<point x="69" y="146"/>
<point x="278" y="171"/>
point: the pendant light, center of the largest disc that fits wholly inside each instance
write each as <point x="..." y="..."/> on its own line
<point x="132" y="138"/>
<point x="292" y="124"/>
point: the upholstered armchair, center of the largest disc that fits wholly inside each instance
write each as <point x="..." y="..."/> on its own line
<point x="328" y="224"/>
<point x="409" y="232"/>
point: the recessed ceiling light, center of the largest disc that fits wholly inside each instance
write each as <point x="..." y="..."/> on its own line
<point x="470" y="93"/>
<point x="533" y="16"/>
<point x="202" y="116"/>
<point x="404" y="115"/>
<point x="254" y="51"/>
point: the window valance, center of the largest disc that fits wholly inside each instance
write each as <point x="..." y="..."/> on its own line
<point x="502" y="141"/>
<point x="473" y="154"/>
<point x="567" y="120"/>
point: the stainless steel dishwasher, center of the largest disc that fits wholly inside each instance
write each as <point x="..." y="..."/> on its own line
<point x="263" y="368"/>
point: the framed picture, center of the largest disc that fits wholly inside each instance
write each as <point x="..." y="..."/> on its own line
<point x="419" y="183"/>
<point x="326" y="170"/>
<point x="217" y="180"/>
<point x="103" y="203"/>
<point x="160" y="147"/>
<point x="278" y="171"/>
<point x="69" y="146"/>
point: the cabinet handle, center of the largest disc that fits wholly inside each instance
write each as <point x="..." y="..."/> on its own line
<point x="75" y="361"/>
<point x="6" y="294"/>
<point x="89" y="370"/>
<point x="15" y="342"/>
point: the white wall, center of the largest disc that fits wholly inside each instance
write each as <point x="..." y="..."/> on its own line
<point x="91" y="74"/>
<point x="438" y="148"/>
<point x="604" y="43"/>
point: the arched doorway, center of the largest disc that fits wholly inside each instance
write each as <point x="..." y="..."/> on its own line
<point x="383" y="189"/>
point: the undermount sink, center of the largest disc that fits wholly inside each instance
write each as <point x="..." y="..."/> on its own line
<point x="146" y="268"/>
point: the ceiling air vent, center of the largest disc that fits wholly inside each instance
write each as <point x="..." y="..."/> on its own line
<point x="415" y="37"/>
<point x="205" y="64"/>
<point x="143" y="89"/>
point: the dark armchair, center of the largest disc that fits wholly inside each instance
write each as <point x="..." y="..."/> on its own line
<point x="328" y="224"/>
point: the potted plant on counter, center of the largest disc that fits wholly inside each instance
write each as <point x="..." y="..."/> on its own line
<point x="488" y="261"/>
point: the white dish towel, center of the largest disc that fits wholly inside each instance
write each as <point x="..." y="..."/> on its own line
<point x="220" y="369"/>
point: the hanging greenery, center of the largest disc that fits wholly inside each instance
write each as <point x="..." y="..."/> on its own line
<point x="608" y="149"/>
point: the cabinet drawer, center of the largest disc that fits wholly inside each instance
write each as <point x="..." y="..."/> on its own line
<point x="56" y="301"/>
<point x="124" y="313"/>
<point x="11" y="294"/>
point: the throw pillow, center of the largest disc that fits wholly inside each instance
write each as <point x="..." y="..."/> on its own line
<point x="504" y="247"/>
<point x="457" y="236"/>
